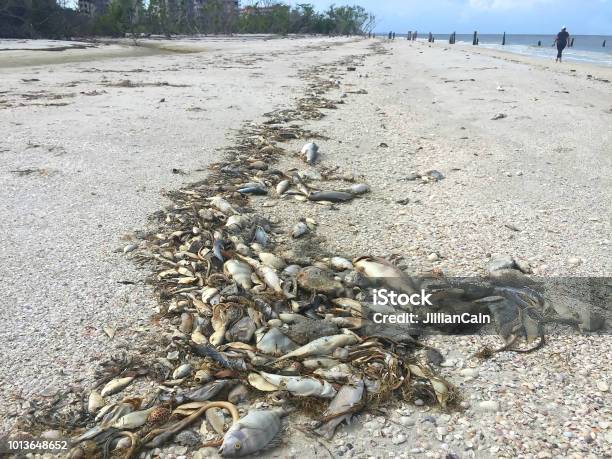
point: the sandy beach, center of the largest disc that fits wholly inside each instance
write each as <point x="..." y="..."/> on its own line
<point x="95" y="137"/>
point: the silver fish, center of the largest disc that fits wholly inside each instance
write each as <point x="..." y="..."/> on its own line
<point x="360" y="188"/>
<point x="310" y="150"/>
<point x="116" y="385"/>
<point x="274" y="342"/>
<point x="299" y="230"/>
<point x="323" y="346"/>
<point x="347" y="402"/>
<point x="252" y="188"/>
<point x="282" y="186"/>
<point x="254" y="432"/>
<point x="331" y="196"/>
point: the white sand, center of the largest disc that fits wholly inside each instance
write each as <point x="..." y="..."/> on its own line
<point x="100" y="162"/>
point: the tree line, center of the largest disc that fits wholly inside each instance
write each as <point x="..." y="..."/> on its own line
<point x="54" y="19"/>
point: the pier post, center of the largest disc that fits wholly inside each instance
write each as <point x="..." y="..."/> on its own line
<point x="603" y="45"/>
<point x="475" y="39"/>
<point x="504" y="39"/>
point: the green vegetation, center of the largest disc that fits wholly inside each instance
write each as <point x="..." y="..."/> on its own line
<point x="52" y="19"/>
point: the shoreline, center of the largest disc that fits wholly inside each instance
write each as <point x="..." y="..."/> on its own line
<point x="356" y="114"/>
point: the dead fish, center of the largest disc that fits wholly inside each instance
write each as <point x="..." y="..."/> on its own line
<point x="291" y="270"/>
<point x="218" y="249"/>
<point x="282" y="186"/>
<point x="183" y="371"/>
<point x="209" y="391"/>
<point x="315" y="279"/>
<point x="379" y="268"/>
<point x="299" y="230"/>
<point x="132" y="420"/>
<point x="235" y="222"/>
<point x="301" y="386"/>
<point x="322" y="346"/>
<point x="310" y="151"/>
<point x="240" y="272"/>
<point x="348" y="401"/>
<point x="300" y="185"/>
<point x="259" y="429"/>
<point x="261" y="237"/>
<point x="267" y="274"/>
<point x="320" y="362"/>
<point x="274" y="342"/>
<point x="340" y="264"/>
<point x="222" y="205"/>
<point x="253" y="188"/>
<point x="238" y="394"/>
<point x="353" y="306"/>
<point x="359" y="188"/>
<point x="95" y="402"/>
<point x="331" y="196"/>
<point x="186" y="325"/>
<point x="116" y="385"/>
<point x="271" y="260"/>
<point x="241" y="331"/>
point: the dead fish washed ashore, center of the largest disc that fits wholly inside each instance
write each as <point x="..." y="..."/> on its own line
<point x="260" y="315"/>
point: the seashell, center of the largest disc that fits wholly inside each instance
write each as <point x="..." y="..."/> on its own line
<point x="222" y="205"/>
<point x="198" y="337"/>
<point x="359" y="188"/>
<point x="215" y="418"/>
<point x="159" y="415"/>
<point x="272" y="260"/>
<point x="237" y="222"/>
<point x="208" y="293"/>
<point x="240" y="272"/>
<point x="259" y="383"/>
<point x="299" y="230"/>
<point x="243" y="249"/>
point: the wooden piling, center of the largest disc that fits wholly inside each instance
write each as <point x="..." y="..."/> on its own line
<point x="504" y="39"/>
<point x="603" y="45"/>
<point x="475" y="39"/>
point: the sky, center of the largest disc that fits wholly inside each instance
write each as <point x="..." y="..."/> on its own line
<point x="582" y="17"/>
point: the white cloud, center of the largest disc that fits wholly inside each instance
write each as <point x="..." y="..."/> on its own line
<point x="507" y="4"/>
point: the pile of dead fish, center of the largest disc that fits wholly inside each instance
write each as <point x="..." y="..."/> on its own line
<point x="252" y="321"/>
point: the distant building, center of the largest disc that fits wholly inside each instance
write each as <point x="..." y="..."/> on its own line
<point x="93" y="7"/>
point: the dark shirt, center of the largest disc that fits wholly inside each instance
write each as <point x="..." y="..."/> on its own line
<point x="562" y="37"/>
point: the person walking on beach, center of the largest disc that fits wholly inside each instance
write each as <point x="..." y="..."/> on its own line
<point x="561" y="42"/>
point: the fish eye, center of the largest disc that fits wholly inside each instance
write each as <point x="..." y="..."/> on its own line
<point x="237" y="446"/>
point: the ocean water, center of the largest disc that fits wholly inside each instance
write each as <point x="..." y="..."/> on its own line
<point x="587" y="48"/>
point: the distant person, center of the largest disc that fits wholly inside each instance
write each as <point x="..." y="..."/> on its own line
<point x="561" y="41"/>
